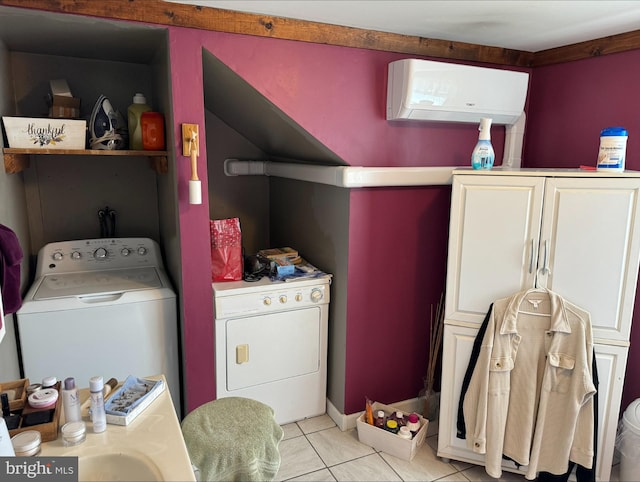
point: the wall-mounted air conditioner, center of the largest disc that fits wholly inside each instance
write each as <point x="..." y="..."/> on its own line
<point x="440" y="91"/>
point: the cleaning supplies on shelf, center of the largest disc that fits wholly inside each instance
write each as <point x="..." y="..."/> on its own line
<point x="483" y="156"/>
<point x="134" y="114"/>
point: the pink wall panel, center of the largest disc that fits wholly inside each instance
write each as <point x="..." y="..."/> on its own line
<point x="569" y="105"/>
<point x="397" y="261"/>
<point x="197" y="296"/>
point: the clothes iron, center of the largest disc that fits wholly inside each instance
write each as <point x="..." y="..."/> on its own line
<point x="107" y="128"/>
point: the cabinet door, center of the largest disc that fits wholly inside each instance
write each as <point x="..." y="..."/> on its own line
<point x="456" y="353"/>
<point x="493" y="240"/>
<point x="589" y="249"/>
<point x="611" y="361"/>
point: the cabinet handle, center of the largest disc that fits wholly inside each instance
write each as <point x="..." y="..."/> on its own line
<point x="532" y="255"/>
<point x="545" y="266"/>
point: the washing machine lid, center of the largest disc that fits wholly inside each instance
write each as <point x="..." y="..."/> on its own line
<point x="96" y="282"/>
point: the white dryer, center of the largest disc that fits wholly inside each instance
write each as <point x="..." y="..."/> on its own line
<point x="271" y="344"/>
<point x="100" y="307"/>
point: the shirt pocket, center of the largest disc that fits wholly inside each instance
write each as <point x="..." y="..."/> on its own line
<point x="500" y="374"/>
<point x="561" y="369"/>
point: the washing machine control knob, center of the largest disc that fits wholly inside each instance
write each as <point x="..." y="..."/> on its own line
<point x="266" y="301"/>
<point x="282" y="299"/>
<point x="57" y="256"/>
<point x="100" y="253"/>
<point x="298" y="296"/>
<point x="76" y="255"/>
<point x="125" y="252"/>
<point x="142" y="250"/>
<point x="316" y="295"/>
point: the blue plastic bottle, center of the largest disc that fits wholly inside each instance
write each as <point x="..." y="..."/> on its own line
<point x="483" y="156"/>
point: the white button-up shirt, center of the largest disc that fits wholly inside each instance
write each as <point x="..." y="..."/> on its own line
<point x="530" y="397"/>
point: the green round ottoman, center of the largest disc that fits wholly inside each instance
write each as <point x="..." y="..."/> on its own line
<point x="233" y="439"/>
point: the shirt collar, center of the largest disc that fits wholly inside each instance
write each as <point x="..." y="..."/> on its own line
<point x="558" y="315"/>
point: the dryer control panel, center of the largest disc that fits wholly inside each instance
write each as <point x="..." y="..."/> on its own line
<point x="97" y="255"/>
<point x="277" y="298"/>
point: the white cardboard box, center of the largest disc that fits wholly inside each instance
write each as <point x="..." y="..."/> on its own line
<point x="45" y="133"/>
<point x="388" y="442"/>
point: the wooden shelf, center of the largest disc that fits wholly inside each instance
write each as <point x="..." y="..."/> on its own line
<point x="17" y="159"/>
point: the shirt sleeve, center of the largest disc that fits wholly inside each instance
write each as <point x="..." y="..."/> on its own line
<point x="475" y="353"/>
<point x="475" y="403"/>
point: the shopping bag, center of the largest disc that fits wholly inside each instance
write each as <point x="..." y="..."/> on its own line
<point x="226" y="250"/>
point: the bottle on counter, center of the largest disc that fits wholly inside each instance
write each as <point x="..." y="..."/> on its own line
<point x="71" y="401"/>
<point x="134" y="115"/>
<point x="98" y="415"/>
<point x="483" y="156"/>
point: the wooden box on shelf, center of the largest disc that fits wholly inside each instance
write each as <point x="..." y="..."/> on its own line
<point x="19" y="387"/>
<point x="45" y="133"/>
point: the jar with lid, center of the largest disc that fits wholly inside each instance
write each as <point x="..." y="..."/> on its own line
<point x="405" y="433"/>
<point x="26" y="444"/>
<point x="73" y="433"/>
<point x="392" y="426"/>
<point x="49" y="382"/>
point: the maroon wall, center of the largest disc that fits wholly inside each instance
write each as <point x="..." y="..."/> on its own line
<point x="569" y="104"/>
<point x="398" y="237"/>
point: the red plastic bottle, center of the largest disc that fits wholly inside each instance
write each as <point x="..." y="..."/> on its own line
<point x="152" y="124"/>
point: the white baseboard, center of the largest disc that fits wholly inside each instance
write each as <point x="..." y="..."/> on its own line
<point x="347" y="422"/>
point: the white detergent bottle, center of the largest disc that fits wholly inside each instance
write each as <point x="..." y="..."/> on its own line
<point x="483" y="156"/>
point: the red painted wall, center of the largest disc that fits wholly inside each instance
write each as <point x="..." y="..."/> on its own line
<point x="398" y="237"/>
<point x="569" y="105"/>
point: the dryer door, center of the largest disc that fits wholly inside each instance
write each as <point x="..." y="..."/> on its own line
<point x="271" y="347"/>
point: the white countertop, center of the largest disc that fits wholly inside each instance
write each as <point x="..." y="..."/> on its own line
<point x="154" y="436"/>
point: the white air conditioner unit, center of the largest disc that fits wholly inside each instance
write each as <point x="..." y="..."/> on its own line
<point x="440" y="91"/>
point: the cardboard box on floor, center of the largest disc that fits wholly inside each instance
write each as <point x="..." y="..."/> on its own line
<point x="388" y="442"/>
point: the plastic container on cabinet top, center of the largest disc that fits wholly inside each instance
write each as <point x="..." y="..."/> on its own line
<point x="613" y="149"/>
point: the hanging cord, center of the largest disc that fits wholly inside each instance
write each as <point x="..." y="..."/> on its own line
<point x="103" y="223"/>
<point x="112" y="223"/>
<point x="107" y="219"/>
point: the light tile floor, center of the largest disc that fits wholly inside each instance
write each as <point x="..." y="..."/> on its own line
<point x="316" y="449"/>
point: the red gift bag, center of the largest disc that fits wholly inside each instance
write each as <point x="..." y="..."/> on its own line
<point x="226" y="250"/>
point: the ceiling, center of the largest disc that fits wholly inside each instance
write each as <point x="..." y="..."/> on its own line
<point x="529" y="26"/>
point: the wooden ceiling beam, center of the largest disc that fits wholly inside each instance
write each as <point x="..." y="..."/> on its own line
<point x="215" y="19"/>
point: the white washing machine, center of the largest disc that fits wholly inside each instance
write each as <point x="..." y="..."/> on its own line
<point x="100" y="307"/>
<point x="271" y="344"/>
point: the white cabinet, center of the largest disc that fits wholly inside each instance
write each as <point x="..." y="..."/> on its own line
<point x="573" y="232"/>
<point x="576" y="236"/>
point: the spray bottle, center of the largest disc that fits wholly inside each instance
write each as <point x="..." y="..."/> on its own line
<point x="483" y="156"/>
